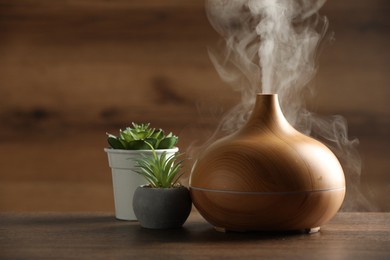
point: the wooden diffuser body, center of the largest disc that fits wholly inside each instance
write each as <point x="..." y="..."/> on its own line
<point x="267" y="176"/>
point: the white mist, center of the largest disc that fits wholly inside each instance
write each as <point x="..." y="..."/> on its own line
<point x="271" y="47"/>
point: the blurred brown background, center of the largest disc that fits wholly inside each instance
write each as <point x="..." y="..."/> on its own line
<point x="72" y="70"/>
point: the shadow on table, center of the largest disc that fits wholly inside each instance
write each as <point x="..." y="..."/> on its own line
<point x="106" y="229"/>
<point x="192" y="232"/>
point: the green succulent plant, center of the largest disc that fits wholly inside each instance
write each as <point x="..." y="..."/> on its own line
<point x="142" y="137"/>
<point x="160" y="171"/>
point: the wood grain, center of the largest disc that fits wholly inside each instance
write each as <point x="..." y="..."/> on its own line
<point x="267" y="176"/>
<point x="100" y="236"/>
<point x="72" y="70"/>
<point x="267" y="212"/>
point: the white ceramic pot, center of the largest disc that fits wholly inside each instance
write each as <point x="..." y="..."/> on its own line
<point x="125" y="180"/>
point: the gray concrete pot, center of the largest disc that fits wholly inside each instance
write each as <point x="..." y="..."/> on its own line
<point x="162" y="208"/>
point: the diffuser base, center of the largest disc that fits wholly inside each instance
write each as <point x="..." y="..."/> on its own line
<point x="278" y="211"/>
<point x="306" y="230"/>
<point x="312" y="230"/>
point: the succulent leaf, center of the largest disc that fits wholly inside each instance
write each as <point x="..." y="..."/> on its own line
<point x="160" y="171"/>
<point x="138" y="145"/>
<point x="152" y="141"/>
<point x="115" y="143"/>
<point x="142" y="137"/>
<point x="167" y="142"/>
<point x="126" y="135"/>
<point x="158" y="134"/>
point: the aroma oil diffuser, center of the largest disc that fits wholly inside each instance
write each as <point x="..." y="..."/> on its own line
<point x="267" y="176"/>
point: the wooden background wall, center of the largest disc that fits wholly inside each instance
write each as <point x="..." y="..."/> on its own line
<point x="72" y="70"/>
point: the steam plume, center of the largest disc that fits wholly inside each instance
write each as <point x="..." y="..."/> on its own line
<point x="271" y="47"/>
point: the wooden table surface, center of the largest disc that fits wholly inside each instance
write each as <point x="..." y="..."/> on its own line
<point x="101" y="236"/>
